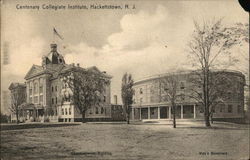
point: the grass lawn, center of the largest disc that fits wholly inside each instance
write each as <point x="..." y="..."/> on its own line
<point x="122" y="141"/>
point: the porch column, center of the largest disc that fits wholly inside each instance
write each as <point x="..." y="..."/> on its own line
<point x="140" y="113"/>
<point x="33" y="91"/>
<point x="181" y="111"/>
<point x="194" y="111"/>
<point x="38" y="90"/>
<point x="133" y="114"/>
<point x="148" y="112"/>
<point x="44" y="91"/>
<point x="27" y="91"/>
<point x="159" y="113"/>
<point x="169" y="112"/>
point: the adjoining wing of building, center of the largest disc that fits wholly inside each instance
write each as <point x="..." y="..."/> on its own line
<point x="151" y="103"/>
<point x="44" y="93"/>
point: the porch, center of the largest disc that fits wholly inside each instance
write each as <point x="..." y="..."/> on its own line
<point x="163" y="112"/>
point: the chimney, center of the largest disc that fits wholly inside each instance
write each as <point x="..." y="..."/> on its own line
<point x="53" y="47"/>
<point x="78" y="65"/>
<point x="115" y="99"/>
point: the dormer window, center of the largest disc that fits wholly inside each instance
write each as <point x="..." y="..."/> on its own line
<point x="141" y="92"/>
<point x="182" y="85"/>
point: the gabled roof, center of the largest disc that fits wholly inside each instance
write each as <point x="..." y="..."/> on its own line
<point x="16" y="85"/>
<point x="34" y="70"/>
<point x="52" y="69"/>
<point x="55" y="69"/>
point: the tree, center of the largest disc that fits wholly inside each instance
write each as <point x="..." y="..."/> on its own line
<point x="170" y="85"/>
<point x="209" y="45"/>
<point x="127" y="93"/>
<point x="18" y="97"/>
<point x="220" y="89"/>
<point x="4" y="118"/>
<point x="87" y="87"/>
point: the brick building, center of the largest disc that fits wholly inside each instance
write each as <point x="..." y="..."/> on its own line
<point x="45" y="90"/>
<point x="151" y="103"/>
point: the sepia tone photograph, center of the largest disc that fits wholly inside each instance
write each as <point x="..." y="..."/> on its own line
<point x="124" y="80"/>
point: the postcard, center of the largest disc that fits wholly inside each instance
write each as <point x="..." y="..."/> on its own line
<point x="124" y="80"/>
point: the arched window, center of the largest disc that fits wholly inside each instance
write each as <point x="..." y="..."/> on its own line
<point x="35" y="87"/>
<point x="70" y="110"/>
<point x="96" y="110"/>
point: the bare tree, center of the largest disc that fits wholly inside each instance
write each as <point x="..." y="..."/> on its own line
<point x="209" y="43"/>
<point x="127" y="93"/>
<point x="169" y="86"/>
<point x="87" y="88"/>
<point x="18" y="96"/>
<point x="219" y="87"/>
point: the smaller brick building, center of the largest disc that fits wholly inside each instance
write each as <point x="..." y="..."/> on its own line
<point x="18" y="95"/>
<point x="152" y="103"/>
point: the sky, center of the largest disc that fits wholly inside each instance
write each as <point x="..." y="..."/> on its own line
<point x="148" y="40"/>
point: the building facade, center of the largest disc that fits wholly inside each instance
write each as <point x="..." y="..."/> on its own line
<point x="151" y="101"/>
<point x="18" y="97"/>
<point x="45" y="92"/>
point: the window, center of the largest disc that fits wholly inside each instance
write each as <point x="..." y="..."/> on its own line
<point x="230" y="108"/>
<point x="229" y="95"/>
<point x="35" y="88"/>
<point x="102" y="110"/>
<point x="56" y="88"/>
<point x="52" y="88"/>
<point x="166" y="89"/>
<point x="239" y="109"/>
<point x="41" y="98"/>
<point x="36" y="99"/>
<point x="30" y="100"/>
<point x="141" y="100"/>
<point x="30" y="91"/>
<point x="222" y="108"/>
<point x="141" y="92"/>
<point x="96" y="110"/>
<point x="213" y="110"/>
<point x="62" y="111"/>
<point x="40" y="89"/>
<point x="66" y="111"/>
<point x="52" y="100"/>
<point x="104" y="98"/>
<point x="69" y="110"/>
<point x="182" y="86"/>
<point x="56" y="100"/>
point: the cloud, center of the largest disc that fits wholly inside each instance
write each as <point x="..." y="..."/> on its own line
<point x="146" y="45"/>
<point x="25" y="46"/>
